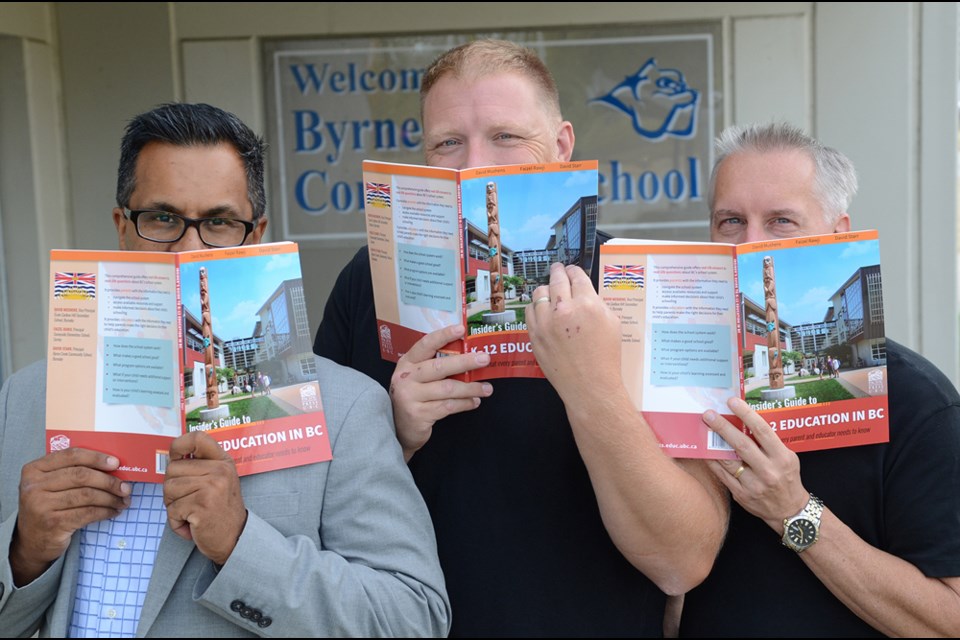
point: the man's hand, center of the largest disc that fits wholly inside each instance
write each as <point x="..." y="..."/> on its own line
<point x="769" y="486"/>
<point x="422" y="392"/>
<point x="667" y="519"/>
<point x="575" y="336"/>
<point x="202" y="494"/>
<point x="60" y="493"/>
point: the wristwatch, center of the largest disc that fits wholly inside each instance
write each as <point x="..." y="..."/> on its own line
<point x="803" y="529"/>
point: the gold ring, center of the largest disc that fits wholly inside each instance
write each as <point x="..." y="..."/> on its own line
<point x="739" y="472"/>
<point x="541" y="299"/>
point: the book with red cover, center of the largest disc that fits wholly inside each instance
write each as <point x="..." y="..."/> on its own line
<point x="142" y="349"/>
<point x="446" y="246"/>
<point x="700" y="325"/>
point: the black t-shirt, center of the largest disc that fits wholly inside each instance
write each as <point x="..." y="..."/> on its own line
<point x="902" y="497"/>
<point x="519" y="533"/>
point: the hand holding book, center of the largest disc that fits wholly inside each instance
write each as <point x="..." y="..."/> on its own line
<point x="575" y="336"/>
<point x="423" y="389"/>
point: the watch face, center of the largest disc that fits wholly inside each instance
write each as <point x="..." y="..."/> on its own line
<point x="802" y="533"/>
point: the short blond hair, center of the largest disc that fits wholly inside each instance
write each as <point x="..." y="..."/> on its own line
<point x="479" y="58"/>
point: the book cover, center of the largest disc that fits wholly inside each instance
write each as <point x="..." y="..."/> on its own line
<point x="146" y="346"/>
<point x="468" y="247"/>
<point x="794" y="326"/>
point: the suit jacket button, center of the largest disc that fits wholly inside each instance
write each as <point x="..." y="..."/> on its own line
<point x="257" y="615"/>
<point x="237" y="605"/>
<point x="246" y="612"/>
<point x="265" y="622"/>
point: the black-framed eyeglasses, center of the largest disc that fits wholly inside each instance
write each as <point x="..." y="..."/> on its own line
<point x="163" y="226"/>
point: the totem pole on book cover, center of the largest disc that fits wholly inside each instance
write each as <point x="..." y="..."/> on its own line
<point x="773" y="324"/>
<point x="497" y="303"/>
<point x="210" y="366"/>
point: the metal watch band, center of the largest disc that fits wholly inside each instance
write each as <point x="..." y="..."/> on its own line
<point x="814" y="508"/>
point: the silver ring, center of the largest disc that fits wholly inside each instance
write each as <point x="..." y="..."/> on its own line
<point x="541" y="299"/>
<point x="739" y="472"/>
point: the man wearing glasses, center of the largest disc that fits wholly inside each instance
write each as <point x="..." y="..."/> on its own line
<point x="162" y="184"/>
<point x="341" y="548"/>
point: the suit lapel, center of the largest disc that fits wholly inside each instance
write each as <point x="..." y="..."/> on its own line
<point x="172" y="555"/>
<point x="59" y="616"/>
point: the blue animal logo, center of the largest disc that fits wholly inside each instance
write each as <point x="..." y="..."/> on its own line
<point x="658" y="102"/>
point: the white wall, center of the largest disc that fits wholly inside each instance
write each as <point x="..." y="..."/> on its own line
<point x="878" y="81"/>
<point x="890" y="102"/>
<point x="33" y="197"/>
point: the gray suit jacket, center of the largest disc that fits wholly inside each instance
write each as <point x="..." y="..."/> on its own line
<point x="341" y="548"/>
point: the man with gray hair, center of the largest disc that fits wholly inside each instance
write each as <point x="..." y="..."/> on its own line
<point x="879" y="554"/>
<point x="807" y="204"/>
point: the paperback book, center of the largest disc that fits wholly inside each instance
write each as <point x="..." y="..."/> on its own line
<point x="793" y="326"/>
<point x="468" y="247"/>
<point x="146" y="346"/>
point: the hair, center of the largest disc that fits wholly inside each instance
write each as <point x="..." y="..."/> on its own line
<point x="484" y="57"/>
<point x="187" y="125"/>
<point x="835" y="179"/>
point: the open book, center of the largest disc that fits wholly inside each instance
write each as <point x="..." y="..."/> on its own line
<point x="793" y="326"/>
<point x="145" y="346"/>
<point x="469" y="247"/>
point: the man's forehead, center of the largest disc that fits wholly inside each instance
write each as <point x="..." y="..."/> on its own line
<point x="766" y="175"/>
<point x="769" y="164"/>
<point x="183" y="175"/>
<point x="473" y="90"/>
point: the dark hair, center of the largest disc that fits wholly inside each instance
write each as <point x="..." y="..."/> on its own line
<point x="188" y="125"/>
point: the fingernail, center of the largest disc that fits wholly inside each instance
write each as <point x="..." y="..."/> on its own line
<point x="113" y="461"/>
<point x="709" y="415"/>
<point x="483" y="357"/>
<point x="125" y="488"/>
<point x="487" y="388"/>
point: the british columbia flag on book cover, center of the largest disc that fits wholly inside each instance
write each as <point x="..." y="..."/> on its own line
<point x="74" y="286"/>
<point x="378" y="194"/>
<point x="623" y="276"/>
